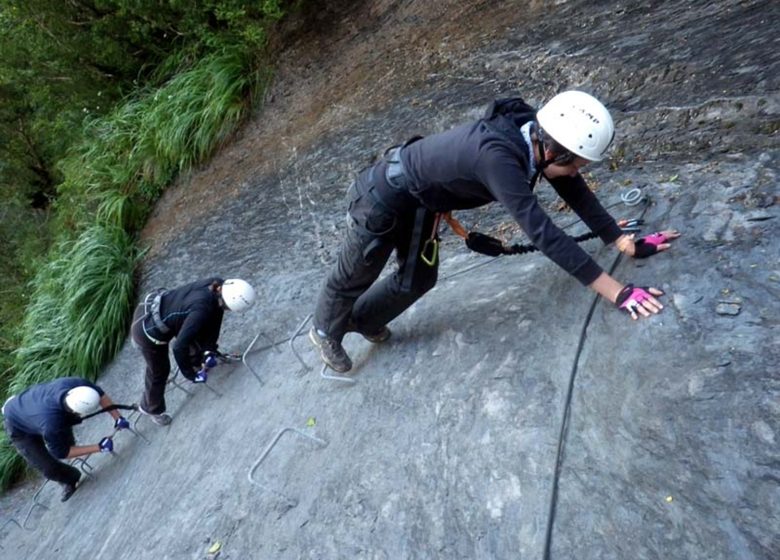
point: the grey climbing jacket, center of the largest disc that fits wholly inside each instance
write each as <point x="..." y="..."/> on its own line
<point x="486" y="161"/>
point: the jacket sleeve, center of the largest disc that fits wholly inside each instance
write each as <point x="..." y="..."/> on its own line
<point x="507" y="180"/>
<point x="576" y="193"/>
<point x="59" y="442"/>
<point x="195" y="323"/>
<point x="210" y="335"/>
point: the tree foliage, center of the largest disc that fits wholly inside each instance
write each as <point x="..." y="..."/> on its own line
<point x="102" y="103"/>
<point x="68" y="63"/>
<point x="64" y="60"/>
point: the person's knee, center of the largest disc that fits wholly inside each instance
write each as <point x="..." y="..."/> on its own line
<point x="425" y="284"/>
<point x="159" y="366"/>
<point x="57" y="470"/>
<point x="50" y="472"/>
<point x="420" y="286"/>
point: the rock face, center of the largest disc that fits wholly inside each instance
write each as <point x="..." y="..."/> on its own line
<point x="507" y="417"/>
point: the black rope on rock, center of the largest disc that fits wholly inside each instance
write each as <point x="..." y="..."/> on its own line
<point x="567" y="412"/>
<point x="518" y="249"/>
<point x="109" y="409"/>
<point x="493" y="259"/>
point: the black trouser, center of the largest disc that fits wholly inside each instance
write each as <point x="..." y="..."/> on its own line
<point x="351" y="291"/>
<point x="158" y="366"/>
<point x="34" y="451"/>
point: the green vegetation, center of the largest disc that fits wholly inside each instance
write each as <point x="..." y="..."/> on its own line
<point x="129" y="156"/>
<point x="80" y="308"/>
<point x="102" y="104"/>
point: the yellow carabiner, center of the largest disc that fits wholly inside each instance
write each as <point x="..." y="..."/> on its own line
<point x="434" y="254"/>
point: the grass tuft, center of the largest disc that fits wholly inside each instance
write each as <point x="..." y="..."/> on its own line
<point x="81" y="300"/>
<point x="129" y="156"/>
<point x="80" y="308"/>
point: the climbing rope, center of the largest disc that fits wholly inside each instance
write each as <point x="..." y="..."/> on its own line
<point x="633" y="197"/>
<point x="109" y="409"/>
<point x="567" y="407"/>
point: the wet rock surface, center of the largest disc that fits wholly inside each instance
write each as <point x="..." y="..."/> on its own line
<point x="447" y="445"/>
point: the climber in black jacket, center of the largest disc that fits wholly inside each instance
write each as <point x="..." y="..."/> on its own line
<point x="191" y="314"/>
<point x="397" y="203"/>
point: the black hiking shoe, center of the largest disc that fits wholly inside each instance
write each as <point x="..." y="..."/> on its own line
<point x="67" y="491"/>
<point x="380" y="336"/>
<point x="331" y="351"/>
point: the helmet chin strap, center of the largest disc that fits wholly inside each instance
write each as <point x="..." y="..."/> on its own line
<point x="108" y="409"/>
<point x="538" y="134"/>
<point x="217" y="291"/>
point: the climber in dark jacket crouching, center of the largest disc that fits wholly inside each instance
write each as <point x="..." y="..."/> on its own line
<point x="192" y="315"/>
<point x="397" y="204"/>
<point x="39" y="422"/>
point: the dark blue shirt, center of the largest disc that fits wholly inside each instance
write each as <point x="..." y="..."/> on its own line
<point x="40" y="410"/>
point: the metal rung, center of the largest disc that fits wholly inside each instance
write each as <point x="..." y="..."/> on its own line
<point x="138" y="434"/>
<point x="133" y="430"/>
<point x="295" y="335"/>
<point x="249" y="349"/>
<point x="271" y="344"/>
<point x="306" y="367"/>
<point x="210" y="388"/>
<point x="83" y="466"/>
<point x="7" y="522"/>
<point x="291" y="501"/>
<point x="326" y="367"/>
<point x="173" y="380"/>
<point x="35" y="503"/>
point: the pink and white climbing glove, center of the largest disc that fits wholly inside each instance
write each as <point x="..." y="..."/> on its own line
<point x="632" y="299"/>
<point x="648" y="245"/>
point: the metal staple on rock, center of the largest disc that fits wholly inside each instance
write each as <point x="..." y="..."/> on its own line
<point x="632" y="197"/>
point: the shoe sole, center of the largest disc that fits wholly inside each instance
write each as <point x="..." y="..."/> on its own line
<point x="154" y="417"/>
<point x="375" y="339"/>
<point x="384" y="337"/>
<point x="162" y="422"/>
<point x="65" y="498"/>
<point x="324" y="358"/>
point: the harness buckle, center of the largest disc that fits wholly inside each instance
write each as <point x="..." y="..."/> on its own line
<point x="152" y="309"/>
<point x="395" y="174"/>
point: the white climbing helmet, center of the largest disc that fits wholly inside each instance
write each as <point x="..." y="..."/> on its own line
<point x="579" y="123"/>
<point x="82" y="400"/>
<point x="237" y="294"/>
